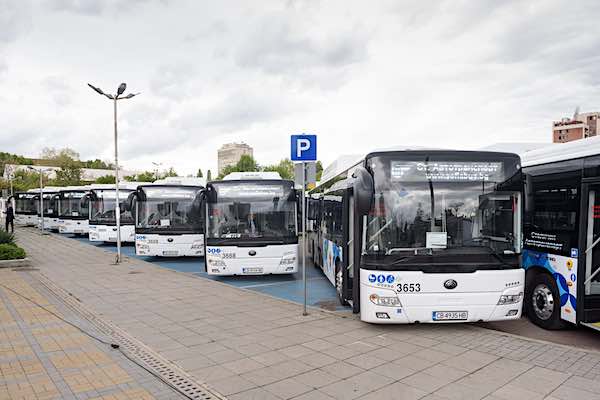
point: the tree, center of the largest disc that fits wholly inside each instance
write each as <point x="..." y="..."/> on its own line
<point x="106" y="179"/>
<point x="285" y="168"/>
<point x="8" y="158"/>
<point x="208" y="175"/>
<point x="147" y="176"/>
<point x="319" y="167"/>
<point x="170" y="172"/>
<point x="199" y="174"/>
<point x="70" y="166"/>
<point x="246" y="163"/>
<point x="23" y="180"/>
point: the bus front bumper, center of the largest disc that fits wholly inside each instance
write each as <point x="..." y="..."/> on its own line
<point x="108" y="233"/>
<point x="480" y="296"/>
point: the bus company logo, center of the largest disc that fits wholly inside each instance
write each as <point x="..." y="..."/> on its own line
<point x="450" y="284"/>
<point x="381" y="278"/>
<point x="212" y="250"/>
<point x="140" y="237"/>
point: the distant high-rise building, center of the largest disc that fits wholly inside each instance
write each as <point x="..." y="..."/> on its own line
<point x="230" y="154"/>
<point x="582" y="125"/>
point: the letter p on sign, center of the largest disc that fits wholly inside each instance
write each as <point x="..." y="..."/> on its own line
<point x="304" y="148"/>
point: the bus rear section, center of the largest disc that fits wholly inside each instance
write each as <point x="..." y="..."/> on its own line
<point x="169" y="220"/>
<point x="251" y="225"/>
<point x="73" y="214"/>
<point x="436" y="235"/>
<point x="26" y="208"/>
<point x="103" y="222"/>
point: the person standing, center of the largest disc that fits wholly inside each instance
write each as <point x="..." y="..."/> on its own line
<point x="10" y="218"/>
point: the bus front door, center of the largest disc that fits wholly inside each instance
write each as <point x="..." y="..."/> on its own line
<point x="591" y="284"/>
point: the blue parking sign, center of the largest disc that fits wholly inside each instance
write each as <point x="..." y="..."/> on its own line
<point x="304" y="148"/>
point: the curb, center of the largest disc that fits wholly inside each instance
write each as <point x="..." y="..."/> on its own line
<point x="19" y="263"/>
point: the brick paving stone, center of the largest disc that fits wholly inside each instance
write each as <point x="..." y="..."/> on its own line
<point x="246" y="345"/>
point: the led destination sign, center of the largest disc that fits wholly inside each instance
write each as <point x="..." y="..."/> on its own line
<point x="446" y="171"/>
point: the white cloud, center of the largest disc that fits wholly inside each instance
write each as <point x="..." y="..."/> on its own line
<point x="360" y="75"/>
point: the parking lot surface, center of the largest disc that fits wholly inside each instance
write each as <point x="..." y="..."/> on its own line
<point x="289" y="287"/>
<point x="245" y="345"/>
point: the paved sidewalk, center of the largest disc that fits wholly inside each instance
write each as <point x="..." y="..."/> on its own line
<point x="43" y="357"/>
<point x="249" y="346"/>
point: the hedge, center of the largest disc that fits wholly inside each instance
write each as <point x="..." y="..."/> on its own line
<point x="11" y="252"/>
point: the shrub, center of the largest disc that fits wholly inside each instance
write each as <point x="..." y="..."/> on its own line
<point x="11" y="252"/>
<point x="6" y="237"/>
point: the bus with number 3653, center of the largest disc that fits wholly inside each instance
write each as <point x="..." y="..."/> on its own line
<point x="422" y="236"/>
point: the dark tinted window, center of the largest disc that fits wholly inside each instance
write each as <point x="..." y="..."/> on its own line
<point x="554" y="228"/>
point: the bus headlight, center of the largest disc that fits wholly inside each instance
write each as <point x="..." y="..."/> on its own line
<point x="215" y="262"/>
<point x="510" y="298"/>
<point x="288" y="260"/>
<point x="391" y="301"/>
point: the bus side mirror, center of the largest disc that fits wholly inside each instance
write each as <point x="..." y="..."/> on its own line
<point x="364" y="190"/>
<point x="528" y="204"/>
<point x="129" y="202"/>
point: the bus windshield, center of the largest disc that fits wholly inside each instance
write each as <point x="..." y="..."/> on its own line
<point x="102" y="208"/>
<point x="50" y="204"/>
<point x="167" y="209"/>
<point x="444" y="207"/>
<point x="253" y="210"/>
<point x="26" y="203"/>
<point x="74" y="205"/>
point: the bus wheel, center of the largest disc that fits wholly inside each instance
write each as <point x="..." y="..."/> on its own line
<point x="542" y="302"/>
<point x="339" y="283"/>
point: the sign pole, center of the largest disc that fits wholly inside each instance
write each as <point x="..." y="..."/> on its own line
<point x="304" y="234"/>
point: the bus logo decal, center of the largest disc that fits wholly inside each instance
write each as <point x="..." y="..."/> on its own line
<point x="450" y="284"/>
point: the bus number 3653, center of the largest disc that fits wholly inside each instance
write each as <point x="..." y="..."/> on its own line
<point x="408" y="287"/>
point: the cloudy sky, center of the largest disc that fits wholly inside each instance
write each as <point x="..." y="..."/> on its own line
<point x="360" y="74"/>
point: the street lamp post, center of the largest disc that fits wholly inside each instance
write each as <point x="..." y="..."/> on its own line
<point x="114" y="98"/>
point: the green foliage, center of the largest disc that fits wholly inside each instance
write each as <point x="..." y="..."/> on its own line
<point x="285" y="168"/>
<point x="23" y="180"/>
<point x="6" y="237"/>
<point x="170" y="172"/>
<point x="106" y="179"/>
<point x="208" y="175"/>
<point x="97" y="164"/>
<point x="147" y="176"/>
<point x="11" y="252"/>
<point x="199" y="174"/>
<point x="69" y="173"/>
<point x="319" y="170"/>
<point x="245" y="164"/>
<point x="8" y="158"/>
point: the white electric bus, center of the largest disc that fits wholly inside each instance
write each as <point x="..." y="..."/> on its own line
<point x="168" y="218"/>
<point x="26" y="207"/>
<point x="73" y="210"/>
<point x="50" y="201"/>
<point x="422" y="236"/>
<point x="561" y="253"/>
<point x="251" y="225"/>
<point x="103" y="223"/>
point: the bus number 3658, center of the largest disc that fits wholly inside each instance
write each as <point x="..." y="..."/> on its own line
<point x="408" y="287"/>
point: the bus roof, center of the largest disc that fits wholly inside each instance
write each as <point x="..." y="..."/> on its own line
<point x="255" y="175"/>
<point x="180" y="181"/>
<point x="562" y="152"/>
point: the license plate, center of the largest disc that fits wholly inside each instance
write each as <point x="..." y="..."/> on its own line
<point x="255" y="270"/>
<point x="450" y="315"/>
<point x="170" y="253"/>
<point x="112" y="239"/>
<point x="78" y="231"/>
